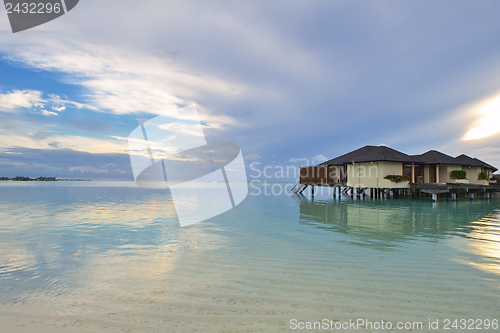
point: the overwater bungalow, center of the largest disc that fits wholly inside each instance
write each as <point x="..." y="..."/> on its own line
<point x="381" y="167"/>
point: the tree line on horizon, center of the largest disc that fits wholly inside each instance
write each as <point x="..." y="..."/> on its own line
<point x="27" y="179"/>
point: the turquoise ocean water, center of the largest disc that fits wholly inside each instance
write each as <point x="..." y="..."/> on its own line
<point x="108" y="256"/>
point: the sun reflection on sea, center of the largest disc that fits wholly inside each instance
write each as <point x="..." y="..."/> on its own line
<point x="485" y="234"/>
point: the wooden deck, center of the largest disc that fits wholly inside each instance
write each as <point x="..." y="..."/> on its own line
<point x="455" y="188"/>
<point x="433" y="189"/>
<point x="321" y="176"/>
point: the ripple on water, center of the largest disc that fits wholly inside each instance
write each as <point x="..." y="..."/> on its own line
<point x="116" y="257"/>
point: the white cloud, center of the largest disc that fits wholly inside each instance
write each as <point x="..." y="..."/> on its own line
<point x="252" y="157"/>
<point x="9" y="101"/>
<point x="48" y="113"/>
<point x="108" y="166"/>
<point x="61" y="141"/>
<point x="303" y="159"/>
<point x="55" y="99"/>
<point x="179" y="128"/>
<point x="102" y="169"/>
<point x="319" y="158"/>
<point x="32" y="99"/>
<point x="118" y="82"/>
<point x="90" y="169"/>
<point x="59" y="108"/>
<point x="315" y="159"/>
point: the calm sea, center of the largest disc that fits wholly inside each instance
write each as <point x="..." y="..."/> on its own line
<point x="108" y="256"/>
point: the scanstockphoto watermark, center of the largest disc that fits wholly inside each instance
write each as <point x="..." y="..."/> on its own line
<point x="270" y="179"/>
<point x="205" y="179"/>
<point x="280" y="172"/>
<point x="356" y="324"/>
<point x="27" y="14"/>
<point x="431" y="324"/>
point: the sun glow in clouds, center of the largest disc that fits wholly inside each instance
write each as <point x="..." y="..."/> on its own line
<point x="488" y="124"/>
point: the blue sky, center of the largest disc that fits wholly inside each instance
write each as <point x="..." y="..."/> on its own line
<point x="288" y="81"/>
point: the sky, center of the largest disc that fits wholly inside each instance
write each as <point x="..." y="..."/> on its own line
<point x="291" y="82"/>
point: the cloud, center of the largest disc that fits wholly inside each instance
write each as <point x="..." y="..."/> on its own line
<point x="117" y="82"/>
<point x="333" y="75"/>
<point x="315" y="159"/>
<point x="59" y="108"/>
<point x="41" y="135"/>
<point x="64" y="163"/>
<point x="179" y="128"/>
<point x="10" y="101"/>
<point x="48" y="113"/>
<point x="59" y="101"/>
<point x="6" y="122"/>
<point x="90" y="123"/>
<point x="319" y="158"/>
<point x="489" y="120"/>
<point x="252" y="157"/>
<point x="32" y="99"/>
<point x="33" y="140"/>
<point x="292" y="160"/>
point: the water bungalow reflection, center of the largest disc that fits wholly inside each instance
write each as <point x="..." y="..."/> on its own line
<point x="387" y="222"/>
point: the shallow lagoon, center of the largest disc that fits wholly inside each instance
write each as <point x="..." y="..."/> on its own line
<point x="108" y="256"/>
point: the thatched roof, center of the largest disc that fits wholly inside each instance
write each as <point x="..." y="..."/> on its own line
<point x="435" y="157"/>
<point x="467" y="160"/>
<point x="371" y="154"/>
<point x="384" y="153"/>
<point x="486" y="165"/>
<point x="470" y="161"/>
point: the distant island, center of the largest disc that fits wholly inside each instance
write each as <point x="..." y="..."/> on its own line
<point x="42" y="179"/>
<point x="28" y="179"/>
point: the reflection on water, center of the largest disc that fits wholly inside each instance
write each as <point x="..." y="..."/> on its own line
<point x="386" y="222"/>
<point x="56" y="240"/>
<point x="484" y="242"/>
<point x="115" y="254"/>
